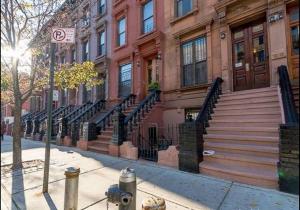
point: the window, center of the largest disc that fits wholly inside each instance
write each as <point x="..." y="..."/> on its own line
<point x="122" y="32"/>
<point x="101" y="45"/>
<point x="183" y="7"/>
<point x="294" y="30"/>
<point x="125" y="80"/>
<point x="73" y="56"/>
<point x="191" y="114"/>
<point x="194" y="66"/>
<point x="86" y="17"/>
<point x="101" y="7"/>
<point x="148" y="20"/>
<point x="85" y="51"/>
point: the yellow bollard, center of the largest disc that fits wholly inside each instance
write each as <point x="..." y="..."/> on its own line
<point x="154" y="203"/>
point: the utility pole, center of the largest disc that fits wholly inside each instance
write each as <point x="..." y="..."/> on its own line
<point x="49" y="120"/>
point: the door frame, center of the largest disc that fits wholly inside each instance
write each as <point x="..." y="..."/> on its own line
<point x="248" y="48"/>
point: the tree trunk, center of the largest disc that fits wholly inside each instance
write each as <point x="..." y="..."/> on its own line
<point x="17" y="146"/>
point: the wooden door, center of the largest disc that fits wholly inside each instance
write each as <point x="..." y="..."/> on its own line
<point x="250" y="58"/>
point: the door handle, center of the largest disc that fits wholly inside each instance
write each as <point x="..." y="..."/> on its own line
<point x="247" y="67"/>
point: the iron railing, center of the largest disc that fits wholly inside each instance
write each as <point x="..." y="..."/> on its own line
<point x="139" y="112"/>
<point x="209" y="104"/>
<point x="288" y="102"/>
<point x="106" y="120"/>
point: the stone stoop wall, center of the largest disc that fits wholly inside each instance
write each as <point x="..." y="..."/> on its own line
<point x="168" y="157"/>
<point x="83" y="144"/>
<point x="288" y="166"/>
<point x="127" y="150"/>
<point x="67" y="141"/>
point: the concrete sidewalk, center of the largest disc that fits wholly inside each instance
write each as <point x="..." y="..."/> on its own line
<point x="181" y="190"/>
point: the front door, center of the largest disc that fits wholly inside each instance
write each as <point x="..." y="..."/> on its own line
<point x="250" y="58"/>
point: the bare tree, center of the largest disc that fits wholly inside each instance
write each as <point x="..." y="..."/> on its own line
<point x="20" y="21"/>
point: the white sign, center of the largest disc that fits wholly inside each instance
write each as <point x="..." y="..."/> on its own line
<point x="55" y="95"/>
<point x="63" y="35"/>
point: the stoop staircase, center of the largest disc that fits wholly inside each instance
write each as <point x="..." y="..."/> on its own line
<point x="104" y="137"/>
<point x="135" y="113"/>
<point x="243" y="133"/>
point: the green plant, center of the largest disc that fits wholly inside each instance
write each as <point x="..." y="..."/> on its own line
<point x="153" y="86"/>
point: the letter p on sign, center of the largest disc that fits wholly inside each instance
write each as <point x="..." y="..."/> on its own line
<point x="63" y="35"/>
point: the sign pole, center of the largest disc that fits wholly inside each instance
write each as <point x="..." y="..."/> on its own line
<point x="49" y="120"/>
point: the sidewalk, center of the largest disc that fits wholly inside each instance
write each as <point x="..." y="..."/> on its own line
<point x="181" y="190"/>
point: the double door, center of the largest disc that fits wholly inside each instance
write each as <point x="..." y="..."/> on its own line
<point x="250" y="57"/>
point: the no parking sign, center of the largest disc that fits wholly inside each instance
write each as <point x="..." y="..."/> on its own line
<point x="63" y="35"/>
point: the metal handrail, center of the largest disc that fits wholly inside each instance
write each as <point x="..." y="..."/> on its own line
<point x="288" y="101"/>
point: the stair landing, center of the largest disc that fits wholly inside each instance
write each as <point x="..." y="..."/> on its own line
<point x="244" y="135"/>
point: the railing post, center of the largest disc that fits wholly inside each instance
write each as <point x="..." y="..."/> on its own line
<point x="62" y="130"/>
<point x="118" y="127"/>
<point x="88" y="131"/>
<point x="71" y="188"/>
<point x="28" y="128"/>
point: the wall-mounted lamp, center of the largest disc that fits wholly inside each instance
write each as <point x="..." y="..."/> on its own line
<point x="158" y="56"/>
<point x="222" y="35"/>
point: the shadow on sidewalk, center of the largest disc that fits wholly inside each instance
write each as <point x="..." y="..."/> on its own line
<point x="50" y="201"/>
<point x="18" y="185"/>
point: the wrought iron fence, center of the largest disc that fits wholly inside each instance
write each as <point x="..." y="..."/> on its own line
<point x="151" y="138"/>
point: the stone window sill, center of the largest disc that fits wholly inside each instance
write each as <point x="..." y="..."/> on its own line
<point x="120" y="47"/>
<point x="177" y="19"/>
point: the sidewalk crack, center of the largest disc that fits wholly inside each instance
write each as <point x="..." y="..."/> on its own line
<point x="220" y="205"/>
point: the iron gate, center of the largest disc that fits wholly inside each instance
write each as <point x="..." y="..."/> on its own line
<point x="149" y="139"/>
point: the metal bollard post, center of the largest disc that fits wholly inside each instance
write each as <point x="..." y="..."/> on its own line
<point x="127" y="183"/>
<point x="71" y="188"/>
<point x="154" y="203"/>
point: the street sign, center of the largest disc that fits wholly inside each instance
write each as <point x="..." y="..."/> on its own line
<point x="63" y="35"/>
<point x="55" y="95"/>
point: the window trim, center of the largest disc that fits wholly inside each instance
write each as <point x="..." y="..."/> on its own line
<point x="194" y="62"/>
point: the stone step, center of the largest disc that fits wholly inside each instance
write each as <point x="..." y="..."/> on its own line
<point x="246" y="175"/>
<point x="252" y="91"/>
<point x="231" y="97"/>
<point x="257" y="131"/>
<point x="104" y="137"/>
<point x="242" y="160"/>
<point x="97" y="149"/>
<point x="222" y="107"/>
<point x="265" y="100"/>
<point x="269" y="110"/>
<point x="243" y="122"/>
<point x="276" y="116"/>
<point x="100" y="144"/>
<point x="242" y="139"/>
<point x="245" y="149"/>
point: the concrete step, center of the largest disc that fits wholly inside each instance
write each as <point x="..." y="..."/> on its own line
<point x="242" y="139"/>
<point x="230" y="97"/>
<point x="242" y="160"/>
<point x="264" y="178"/>
<point x="104" y="137"/>
<point x="245" y="149"/>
